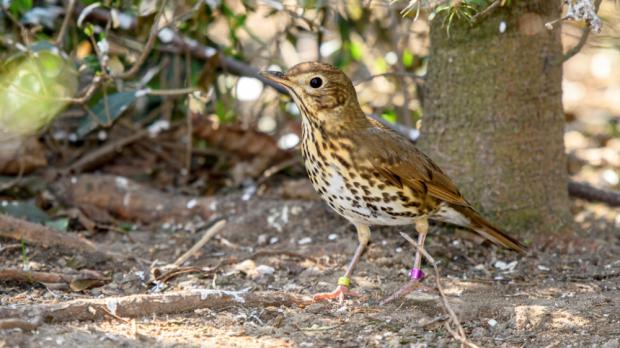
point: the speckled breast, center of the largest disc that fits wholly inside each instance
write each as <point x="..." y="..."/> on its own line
<point x="354" y="191"/>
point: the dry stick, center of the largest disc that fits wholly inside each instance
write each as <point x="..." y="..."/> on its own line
<point x="29" y="277"/>
<point x="210" y="233"/>
<point x="65" y="24"/>
<point x="460" y="333"/>
<point x="7" y="324"/>
<point x="590" y="193"/>
<point x="92" y="158"/>
<point x="152" y="304"/>
<point x="582" y="41"/>
<point x="147" y="48"/>
<point x="29" y="232"/>
<point x="486" y="11"/>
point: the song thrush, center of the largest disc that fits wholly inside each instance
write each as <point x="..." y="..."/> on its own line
<point x="368" y="173"/>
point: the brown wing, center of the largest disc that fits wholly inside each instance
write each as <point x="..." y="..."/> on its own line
<point x="398" y="160"/>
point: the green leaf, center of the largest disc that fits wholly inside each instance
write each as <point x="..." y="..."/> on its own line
<point x="356" y="51"/>
<point x="20" y="6"/>
<point x="223" y="112"/>
<point x="89" y="30"/>
<point x="116" y="104"/>
<point x="24" y="210"/>
<point x="407" y="59"/>
<point x="389" y="115"/>
<point x="61" y="224"/>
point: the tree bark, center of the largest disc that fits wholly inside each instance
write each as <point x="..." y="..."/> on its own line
<point x="493" y="116"/>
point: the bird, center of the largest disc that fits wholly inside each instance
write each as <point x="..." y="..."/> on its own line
<point x="370" y="174"/>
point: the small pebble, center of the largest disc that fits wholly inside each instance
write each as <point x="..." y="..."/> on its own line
<point x="613" y="343"/>
<point x="303" y="241"/>
<point x="492" y="322"/>
<point x="273" y="240"/>
<point x="264" y="270"/>
<point x="332" y="236"/>
<point x="262" y="239"/>
<point x="478" y="332"/>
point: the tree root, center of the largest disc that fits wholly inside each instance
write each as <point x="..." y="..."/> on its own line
<point x="153" y="304"/>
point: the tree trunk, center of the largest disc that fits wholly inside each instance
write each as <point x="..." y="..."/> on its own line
<point x="493" y="117"/>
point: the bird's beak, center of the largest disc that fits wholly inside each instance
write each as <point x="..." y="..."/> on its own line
<point x="277" y="77"/>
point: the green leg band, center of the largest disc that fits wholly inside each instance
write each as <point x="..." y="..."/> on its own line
<point x="344" y="281"/>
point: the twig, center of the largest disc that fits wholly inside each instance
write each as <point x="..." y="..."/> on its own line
<point x="577" y="48"/>
<point x="269" y="172"/>
<point x="590" y="193"/>
<point x="170" y="92"/>
<point x="209" y="233"/>
<point x="7" y="324"/>
<point x="583" y="39"/>
<point x="50" y="278"/>
<point x="267" y="252"/>
<point x="459" y="334"/>
<point x="486" y="11"/>
<point x="391" y="74"/>
<point x="147" y="48"/>
<point x="65" y="24"/>
<point x="108" y="312"/>
<point x="171" y="273"/>
<point x="91" y="159"/>
<point x="152" y="304"/>
<point x="29" y="232"/>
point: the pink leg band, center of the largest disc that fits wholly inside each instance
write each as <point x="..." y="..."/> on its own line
<point x="416" y="274"/>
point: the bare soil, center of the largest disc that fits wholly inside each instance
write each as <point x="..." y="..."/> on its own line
<point x="566" y="292"/>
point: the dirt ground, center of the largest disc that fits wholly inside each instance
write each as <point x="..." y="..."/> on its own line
<point x="566" y="292"/>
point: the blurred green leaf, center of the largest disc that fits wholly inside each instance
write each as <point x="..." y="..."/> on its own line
<point x="89" y="30"/>
<point x="85" y="284"/>
<point x="223" y="112"/>
<point x="106" y="114"/>
<point x="390" y="116"/>
<point x="407" y="59"/>
<point x="356" y="51"/>
<point x="24" y="210"/>
<point x="20" y="6"/>
<point x="33" y="89"/>
<point x="61" y="224"/>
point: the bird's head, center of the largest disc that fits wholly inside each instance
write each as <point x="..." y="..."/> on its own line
<point x="321" y="91"/>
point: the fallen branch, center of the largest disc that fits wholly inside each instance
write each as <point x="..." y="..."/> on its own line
<point x="8" y="324"/>
<point x="590" y="193"/>
<point x="153" y="304"/>
<point x="245" y="143"/>
<point x="77" y="282"/>
<point x="36" y="234"/>
<point x="94" y="158"/>
<point x="129" y="200"/>
<point x="459" y="334"/>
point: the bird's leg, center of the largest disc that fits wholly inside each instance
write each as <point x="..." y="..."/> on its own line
<point x="342" y="290"/>
<point x="416" y="275"/>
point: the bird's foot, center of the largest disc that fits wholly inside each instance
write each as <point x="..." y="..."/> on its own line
<point x="341" y="291"/>
<point x="416" y="276"/>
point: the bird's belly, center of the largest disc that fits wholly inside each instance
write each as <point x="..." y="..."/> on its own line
<point x="358" y="205"/>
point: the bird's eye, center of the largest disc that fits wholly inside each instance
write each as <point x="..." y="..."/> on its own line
<point x="316" y="82"/>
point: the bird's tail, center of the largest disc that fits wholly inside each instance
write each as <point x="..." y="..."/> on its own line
<point x="474" y="221"/>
